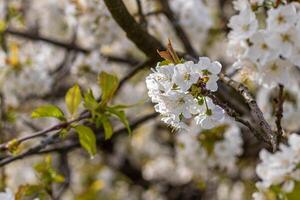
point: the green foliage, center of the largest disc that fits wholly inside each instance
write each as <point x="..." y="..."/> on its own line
<point x="48" y="111"/>
<point x="3" y="26"/>
<point x="47" y="174"/>
<point x="121" y="115"/>
<point x="164" y="62"/>
<point x="100" y="112"/>
<point x="28" y="192"/>
<point x="13" y="146"/>
<point x="108" y="130"/>
<point x="295" y="194"/>
<point x="108" y="84"/>
<point x="90" y="102"/>
<point x="73" y="99"/>
<point x="87" y="139"/>
<point x="209" y="137"/>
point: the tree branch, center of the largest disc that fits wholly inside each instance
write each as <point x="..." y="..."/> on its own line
<point x="68" y="46"/>
<point x="56" y="127"/>
<point x="139" y="36"/>
<point x="38" y="149"/>
<point x="267" y="134"/>
<point x="279" y="111"/>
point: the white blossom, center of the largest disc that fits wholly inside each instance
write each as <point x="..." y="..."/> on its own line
<point x="243" y="25"/>
<point x="280" y="168"/>
<point x="274" y="72"/>
<point x="211" y="117"/>
<point x="170" y="86"/>
<point x="7" y="195"/>
<point x="281" y="18"/>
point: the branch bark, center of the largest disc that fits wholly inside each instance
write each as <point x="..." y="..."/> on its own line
<point x="139" y="36"/>
<point x="41" y="147"/>
<point x="266" y="132"/>
<point x="279" y="111"/>
<point x="68" y="46"/>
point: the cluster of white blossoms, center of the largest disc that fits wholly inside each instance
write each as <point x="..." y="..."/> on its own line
<point x="267" y="45"/>
<point x="279" y="169"/>
<point x="25" y="71"/>
<point x="93" y="22"/>
<point x="195" y="18"/>
<point x="226" y="151"/>
<point x="176" y="90"/>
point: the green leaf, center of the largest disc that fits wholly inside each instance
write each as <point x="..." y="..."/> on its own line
<point x="48" y="111"/>
<point x="124" y="106"/>
<point x="73" y="99"/>
<point x="164" y="62"/>
<point x="108" y="130"/>
<point x="47" y="174"/>
<point x="90" y="102"/>
<point x="121" y="115"/>
<point x="108" y="84"/>
<point x="13" y="146"/>
<point x="26" y="192"/>
<point x="294" y="195"/>
<point x="87" y="139"/>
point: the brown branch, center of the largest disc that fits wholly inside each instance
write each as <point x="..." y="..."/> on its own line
<point x="279" y="111"/>
<point x="68" y="46"/>
<point x="135" y="70"/>
<point x="38" y="149"/>
<point x="56" y="127"/>
<point x="266" y="132"/>
<point x="37" y="37"/>
<point x="139" y="36"/>
<point x="142" y="18"/>
<point x="45" y="142"/>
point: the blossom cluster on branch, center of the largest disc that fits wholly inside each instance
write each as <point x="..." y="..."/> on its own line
<point x="265" y="41"/>
<point x="176" y="88"/>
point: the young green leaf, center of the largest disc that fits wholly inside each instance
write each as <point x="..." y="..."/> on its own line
<point x="47" y="174"/>
<point x="13" y="146"/>
<point x="31" y="192"/>
<point x="87" y="139"/>
<point x="121" y="115"/>
<point x="73" y="99"/>
<point x="108" y="130"/>
<point x="48" y="111"/>
<point x="90" y="102"/>
<point x="108" y="84"/>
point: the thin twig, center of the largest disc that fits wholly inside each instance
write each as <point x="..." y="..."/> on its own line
<point x="177" y="27"/>
<point x="68" y="46"/>
<point x="41" y="133"/>
<point x="142" y="19"/>
<point x="51" y="139"/>
<point x="135" y="70"/>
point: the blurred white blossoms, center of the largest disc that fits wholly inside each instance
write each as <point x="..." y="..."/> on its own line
<point x="281" y="168"/>
<point x="227" y="150"/>
<point x="7" y="195"/>
<point x="270" y="43"/>
<point x="176" y="88"/>
<point x="93" y="22"/>
<point x="194" y="159"/>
